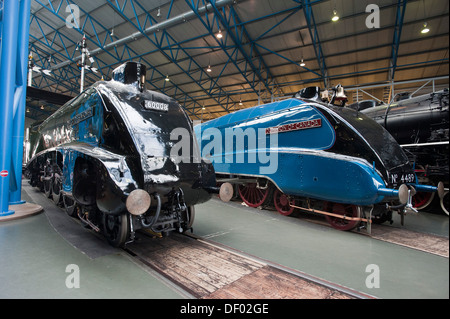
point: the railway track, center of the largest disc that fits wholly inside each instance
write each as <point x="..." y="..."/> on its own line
<point x="208" y="270"/>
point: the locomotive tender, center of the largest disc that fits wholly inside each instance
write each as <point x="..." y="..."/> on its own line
<point x="106" y="157"/>
<point x="329" y="159"/>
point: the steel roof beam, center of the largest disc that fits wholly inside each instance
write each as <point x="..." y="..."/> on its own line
<point x="102" y="49"/>
<point x="223" y="45"/>
<point x="173" y="49"/>
<point x="213" y="86"/>
<point x="150" y="30"/>
<point x="309" y="15"/>
<point x="401" y="9"/>
<point x="237" y="37"/>
<point x="132" y="37"/>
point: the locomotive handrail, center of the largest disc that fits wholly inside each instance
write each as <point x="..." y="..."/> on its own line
<point x="425" y="144"/>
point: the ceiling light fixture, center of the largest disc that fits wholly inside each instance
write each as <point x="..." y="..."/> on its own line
<point x="167" y="78"/>
<point x="219" y="35"/>
<point x="209" y="69"/>
<point x="335" y="16"/>
<point x="302" y="63"/>
<point x="425" y="28"/>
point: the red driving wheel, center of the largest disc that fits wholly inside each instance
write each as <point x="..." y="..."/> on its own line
<point x="252" y="195"/>
<point x="421" y="200"/>
<point x="344" y="210"/>
<point x="283" y="203"/>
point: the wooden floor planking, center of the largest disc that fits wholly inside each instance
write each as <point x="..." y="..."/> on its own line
<point x="425" y="242"/>
<point x="201" y="268"/>
<point x="272" y="283"/>
<point x="207" y="271"/>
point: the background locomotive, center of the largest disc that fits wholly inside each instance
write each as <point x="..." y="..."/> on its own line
<point x="329" y="159"/>
<point x="106" y="156"/>
<point x="421" y="126"/>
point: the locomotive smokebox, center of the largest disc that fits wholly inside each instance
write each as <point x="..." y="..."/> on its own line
<point x="131" y="73"/>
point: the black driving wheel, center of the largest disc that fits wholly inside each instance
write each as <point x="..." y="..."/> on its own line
<point x="116" y="229"/>
<point x="191" y="216"/>
<point x="56" y="190"/>
<point x="70" y="205"/>
<point x="48" y="188"/>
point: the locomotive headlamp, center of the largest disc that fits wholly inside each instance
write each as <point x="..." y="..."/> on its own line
<point x="138" y="202"/>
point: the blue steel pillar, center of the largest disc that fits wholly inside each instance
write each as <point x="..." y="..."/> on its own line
<point x="19" y="104"/>
<point x="8" y="57"/>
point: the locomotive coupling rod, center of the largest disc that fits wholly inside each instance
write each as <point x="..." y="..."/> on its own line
<point x="333" y="215"/>
<point x="236" y="180"/>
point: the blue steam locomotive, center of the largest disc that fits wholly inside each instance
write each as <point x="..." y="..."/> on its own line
<point x="303" y="153"/>
<point x="106" y="157"/>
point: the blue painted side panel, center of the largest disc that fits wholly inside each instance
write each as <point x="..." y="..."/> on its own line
<point x="298" y="162"/>
<point x="270" y="116"/>
<point x="69" y="157"/>
<point x="88" y="130"/>
<point x="82" y="122"/>
<point x="317" y="176"/>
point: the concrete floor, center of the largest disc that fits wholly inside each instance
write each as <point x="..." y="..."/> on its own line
<point x="34" y="256"/>
<point x="339" y="257"/>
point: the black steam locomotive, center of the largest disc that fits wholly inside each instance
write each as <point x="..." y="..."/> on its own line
<point x="421" y="126"/>
<point x="111" y="157"/>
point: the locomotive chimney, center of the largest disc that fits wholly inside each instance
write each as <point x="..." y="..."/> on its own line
<point x="131" y="73"/>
